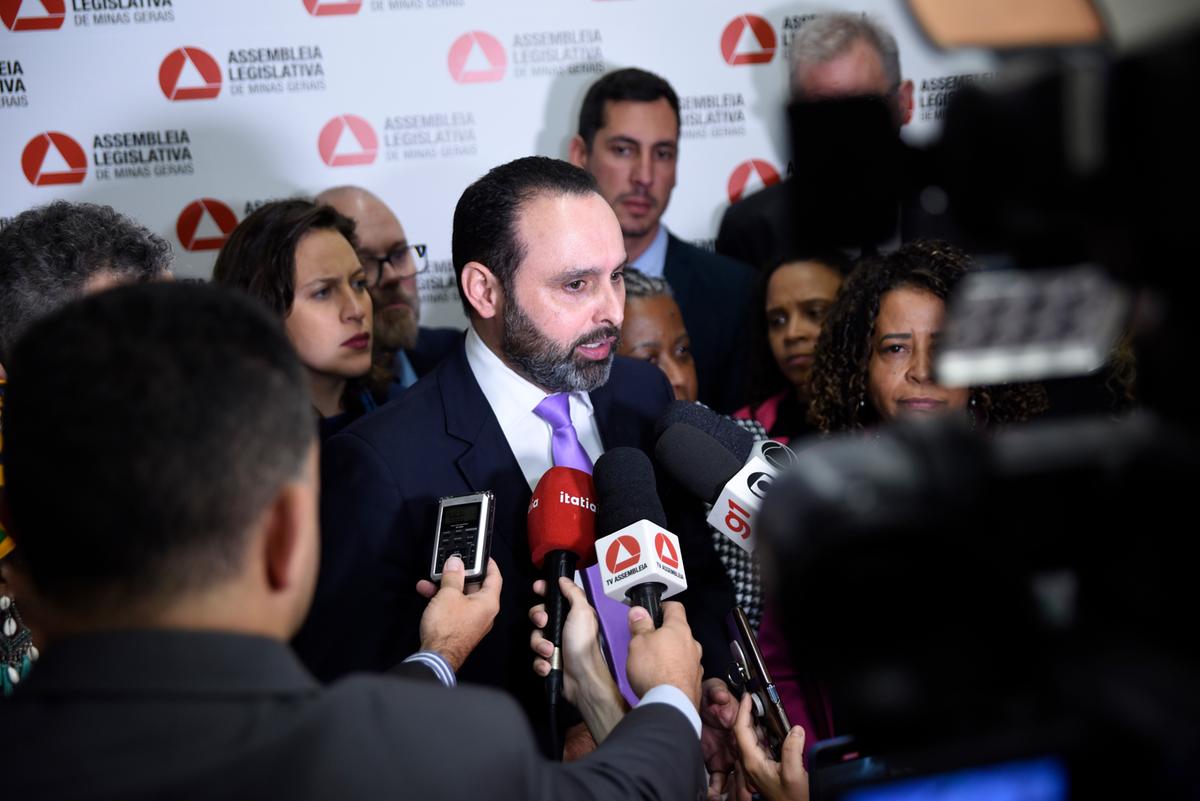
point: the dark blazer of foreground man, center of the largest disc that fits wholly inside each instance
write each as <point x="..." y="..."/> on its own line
<point x="167" y="587"/>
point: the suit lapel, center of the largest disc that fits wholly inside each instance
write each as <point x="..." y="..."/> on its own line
<point x="486" y="462"/>
<point x="469" y="418"/>
<point x="617" y="427"/>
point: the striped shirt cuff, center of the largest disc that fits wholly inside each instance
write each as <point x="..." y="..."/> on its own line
<point x="440" y="667"/>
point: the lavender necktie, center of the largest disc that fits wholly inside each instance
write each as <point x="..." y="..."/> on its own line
<point x="613" y="615"/>
<point x="568" y="452"/>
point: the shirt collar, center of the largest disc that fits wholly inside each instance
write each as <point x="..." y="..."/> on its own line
<point x="510" y="394"/>
<point x="654" y="258"/>
<point x="402" y="369"/>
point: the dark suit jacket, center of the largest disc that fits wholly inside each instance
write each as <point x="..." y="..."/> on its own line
<point x="433" y="345"/>
<point x="381" y="479"/>
<point x="190" y="715"/>
<point x="758" y="229"/>
<point x="714" y="294"/>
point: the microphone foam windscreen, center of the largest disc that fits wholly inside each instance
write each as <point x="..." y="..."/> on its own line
<point x="681" y="411"/>
<point x="696" y="460"/>
<point x="729" y="434"/>
<point x="626" y="491"/>
<point x="562" y="516"/>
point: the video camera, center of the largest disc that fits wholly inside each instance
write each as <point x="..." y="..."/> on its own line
<point x="1012" y="614"/>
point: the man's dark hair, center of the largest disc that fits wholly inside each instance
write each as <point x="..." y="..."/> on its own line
<point x="260" y="254"/>
<point x="145" y="430"/>
<point x="48" y="254"/>
<point x="627" y="84"/>
<point x="485" y="219"/>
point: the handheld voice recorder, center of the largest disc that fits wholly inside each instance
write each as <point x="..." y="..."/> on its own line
<point x="464" y="527"/>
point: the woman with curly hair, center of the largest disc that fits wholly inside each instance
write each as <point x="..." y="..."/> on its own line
<point x="874" y="364"/>
<point x="874" y="359"/>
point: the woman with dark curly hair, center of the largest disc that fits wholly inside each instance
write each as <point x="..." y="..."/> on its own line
<point x="874" y="359"/>
<point x="874" y="363"/>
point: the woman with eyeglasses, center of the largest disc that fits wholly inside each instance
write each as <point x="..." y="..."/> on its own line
<point x="299" y="258"/>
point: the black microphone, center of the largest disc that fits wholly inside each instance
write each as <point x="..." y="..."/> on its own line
<point x="638" y="557"/>
<point x="707" y="469"/>
<point x="696" y="460"/>
<point x="733" y="437"/>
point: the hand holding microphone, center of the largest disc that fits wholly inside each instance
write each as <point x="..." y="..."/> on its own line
<point x="657" y="656"/>
<point x="586" y="681"/>
<point x="639" y="558"/>
<point x="562" y="531"/>
<point x="783" y="780"/>
<point x="664" y="654"/>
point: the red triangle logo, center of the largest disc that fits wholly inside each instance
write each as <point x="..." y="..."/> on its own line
<point x="624" y="546"/>
<point x="188" y="224"/>
<point x="666" y="550"/>
<point x="19" y="18"/>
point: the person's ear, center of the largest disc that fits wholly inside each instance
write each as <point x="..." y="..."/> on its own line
<point x="3" y="373"/>
<point x="904" y="101"/>
<point x="482" y="289"/>
<point x="577" y="152"/>
<point x="286" y="524"/>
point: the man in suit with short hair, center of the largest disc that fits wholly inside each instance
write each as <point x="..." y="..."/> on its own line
<point x="539" y="257"/>
<point x="628" y="139"/>
<point x="179" y="417"/>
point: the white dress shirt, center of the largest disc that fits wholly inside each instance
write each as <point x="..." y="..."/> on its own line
<point x="513" y="399"/>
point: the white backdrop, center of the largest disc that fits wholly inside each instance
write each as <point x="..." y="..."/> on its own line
<point x="185" y="114"/>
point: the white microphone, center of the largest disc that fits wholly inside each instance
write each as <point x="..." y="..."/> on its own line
<point x="736" y="490"/>
<point x="639" y="559"/>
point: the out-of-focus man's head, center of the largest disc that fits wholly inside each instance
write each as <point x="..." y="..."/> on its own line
<point x="55" y="253"/>
<point x="160" y="460"/>
<point x="848" y="55"/>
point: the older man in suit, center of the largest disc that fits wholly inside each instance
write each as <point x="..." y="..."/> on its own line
<point x="539" y="256"/>
<point x="628" y="138"/>
<point x="838" y="54"/>
<point x="167" y="588"/>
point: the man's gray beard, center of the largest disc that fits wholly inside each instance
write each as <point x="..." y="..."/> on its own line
<point x="546" y="364"/>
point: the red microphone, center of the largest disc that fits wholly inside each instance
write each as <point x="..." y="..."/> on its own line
<point x="562" y="537"/>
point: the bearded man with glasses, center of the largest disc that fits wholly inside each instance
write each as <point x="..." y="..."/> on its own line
<point x="392" y="265"/>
